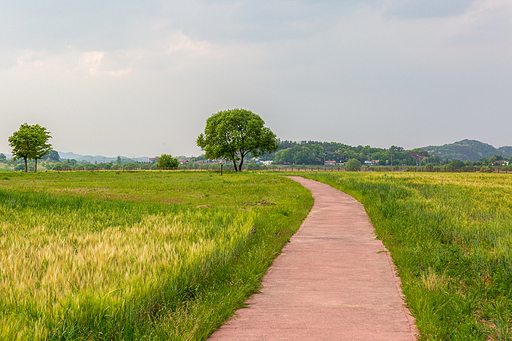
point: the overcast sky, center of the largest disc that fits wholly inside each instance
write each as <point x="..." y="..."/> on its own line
<point x="140" y="78"/>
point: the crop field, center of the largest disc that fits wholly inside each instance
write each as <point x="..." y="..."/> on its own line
<point x="136" y="255"/>
<point x="450" y="236"/>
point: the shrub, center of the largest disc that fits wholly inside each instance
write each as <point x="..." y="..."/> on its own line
<point x="353" y="165"/>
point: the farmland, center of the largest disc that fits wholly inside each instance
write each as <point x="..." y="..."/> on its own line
<point x="450" y="236"/>
<point x="170" y="255"/>
<point x="136" y="255"/>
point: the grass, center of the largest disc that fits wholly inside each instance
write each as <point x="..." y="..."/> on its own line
<point x="136" y="255"/>
<point x="450" y="236"/>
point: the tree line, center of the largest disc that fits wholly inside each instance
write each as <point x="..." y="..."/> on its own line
<point x="316" y="153"/>
<point x="238" y="135"/>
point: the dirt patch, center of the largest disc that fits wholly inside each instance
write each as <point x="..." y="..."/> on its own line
<point x="259" y="203"/>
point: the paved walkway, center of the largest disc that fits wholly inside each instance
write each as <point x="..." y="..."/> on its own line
<point x="331" y="282"/>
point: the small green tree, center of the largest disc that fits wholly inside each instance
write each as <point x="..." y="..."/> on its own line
<point x="353" y="165"/>
<point x="43" y="147"/>
<point x="232" y="134"/>
<point x="2" y="157"/>
<point x="30" y="142"/>
<point x="456" y="164"/>
<point x="52" y="155"/>
<point x="167" y="161"/>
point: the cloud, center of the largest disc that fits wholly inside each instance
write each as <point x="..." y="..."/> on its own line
<point x="414" y="9"/>
<point x="375" y="72"/>
<point x="92" y="61"/>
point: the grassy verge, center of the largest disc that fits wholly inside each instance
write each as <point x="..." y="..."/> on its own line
<point x="142" y="255"/>
<point x="450" y="236"/>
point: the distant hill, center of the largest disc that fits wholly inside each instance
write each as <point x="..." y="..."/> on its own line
<point x="468" y="150"/>
<point x="98" y="158"/>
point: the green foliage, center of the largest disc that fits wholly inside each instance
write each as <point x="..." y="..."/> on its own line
<point x="138" y="255"/>
<point x="232" y="134"/>
<point x="301" y="155"/>
<point x="167" y="161"/>
<point x="468" y="150"/>
<point x="21" y="167"/>
<point x="315" y="153"/>
<point x="450" y="237"/>
<point x="456" y="164"/>
<point x="52" y="155"/>
<point x="30" y="142"/>
<point x="3" y="158"/>
<point x="353" y="165"/>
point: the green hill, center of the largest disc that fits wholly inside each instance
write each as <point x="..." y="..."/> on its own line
<point x="468" y="150"/>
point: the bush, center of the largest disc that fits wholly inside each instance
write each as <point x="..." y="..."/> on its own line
<point x="167" y="161"/>
<point x="456" y="164"/>
<point x="353" y="165"/>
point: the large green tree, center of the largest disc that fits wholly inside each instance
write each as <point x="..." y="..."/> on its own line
<point x="30" y="142"/>
<point x="232" y="134"/>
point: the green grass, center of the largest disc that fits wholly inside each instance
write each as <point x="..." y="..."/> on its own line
<point x="136" y="255"/>
<point x="450" y="236"/>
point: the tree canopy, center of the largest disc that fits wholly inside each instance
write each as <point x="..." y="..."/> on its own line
<point x="315" y="153"/>
<point x="52" y="155"/>
<point x="233" y="134"/>
<point x="353" y="165"/>
<point x="30" y="142"/>
<point x="167" y="161"/>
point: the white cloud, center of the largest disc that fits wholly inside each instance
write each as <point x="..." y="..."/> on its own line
<point x="357" y="73"/>
<point x="92" y="61"/>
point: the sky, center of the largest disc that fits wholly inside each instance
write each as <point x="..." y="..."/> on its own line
<point x="140" y="78"/>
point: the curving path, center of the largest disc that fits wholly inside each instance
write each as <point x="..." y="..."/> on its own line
<point x="331" y="282"/>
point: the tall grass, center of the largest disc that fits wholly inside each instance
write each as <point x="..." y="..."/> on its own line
<point x="158" y="256"/>
<point x="450" y="236"/>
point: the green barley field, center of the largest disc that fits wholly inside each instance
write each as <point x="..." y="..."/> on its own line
<point x="450" y="236"/>
<point x="170" y="255"/>
<point x="136" y="255"/>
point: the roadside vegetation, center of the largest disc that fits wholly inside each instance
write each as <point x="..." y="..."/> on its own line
<point x="136" y="255"/>
<point x="450" y="236"/>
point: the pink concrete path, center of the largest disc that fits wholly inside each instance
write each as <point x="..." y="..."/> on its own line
<point x="331" y="282"/>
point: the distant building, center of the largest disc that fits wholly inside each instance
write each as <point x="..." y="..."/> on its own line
<point x="153" y="159"/>
<point x="183" y="162"/>
<point x="501" y="163"/>
<point x="372" y="162"/>
<point x="329" y="163"/>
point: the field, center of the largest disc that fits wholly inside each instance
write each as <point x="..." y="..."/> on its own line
<point x="450" y="236"/>
<point x="170" y="255"/>
<point x="136" y="255"/>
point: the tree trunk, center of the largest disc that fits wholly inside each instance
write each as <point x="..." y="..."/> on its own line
<point x="234" y="163"/>
<point x="26" y="166"/>
<point x="35" y="169"/>
<point x="241" y="163"/>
